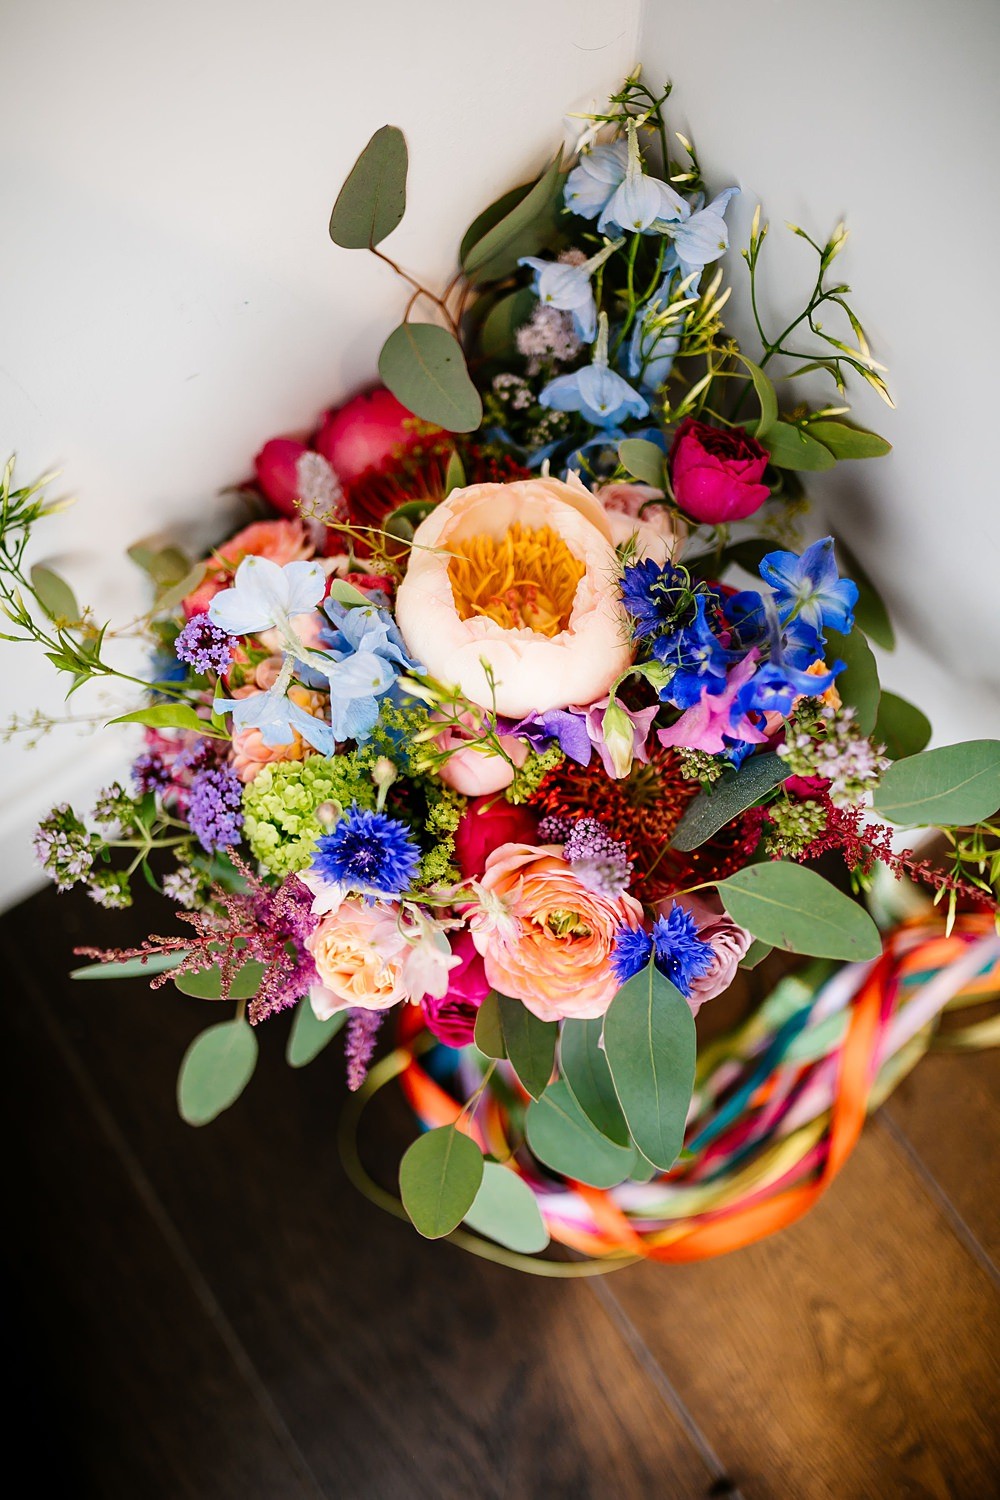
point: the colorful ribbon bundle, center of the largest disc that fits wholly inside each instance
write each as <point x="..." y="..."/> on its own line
<point x="778" y="1106"/>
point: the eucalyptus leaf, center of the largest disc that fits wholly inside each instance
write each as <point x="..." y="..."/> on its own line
<point x="901" y="727"/>
<point x="731" y="795"/>
<point x="309" y="1035"/>
<point x="216" y="1069"/>
<point x="373" y="198"/>
<point x="170" y="716"/>
<point x="643" y="459"/>
<point x="584" y="1067"/>
<point x="870" y="611"/>
<point x="649" y="1038"/>
<point x="174" y="594"/>
<point x="129" y="968"/>
<point x="755" y="954"/>
<point x="953" y="785"/>
<point x="530" y="1044"/>
<point x="206" y="984"/>
<point x="498" y="336"/>
<point x="522" y="230"/>
<point x="791" y="448"/>
<point x="424" y="367"/>
<point x="858" y="684"/>
<point x="562" y="1137"/>
<point x="492" y="215"/>
<point x="439" y="1177"/>
<point x="790" y="907"/>
<point x="845" y="441"/>
<point x="488" y="1035"/>
<point x="54" y="595"/>
<point x="506" y="1210"/>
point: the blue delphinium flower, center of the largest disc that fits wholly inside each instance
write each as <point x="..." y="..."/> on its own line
<point x="640" y="201"/>
<point x="652" y="594"/>
<point x="595" y="391"/>
<point x="698" y="657"/>
<point x="215" y="808"/>
<point x="632" y="952"/>
<point x="277" y="717"/>
<point x="594" y="179"/>
<point x="699" y="237"/>
<point x="364" y="656"/>
<point x="678" y="951"/>
<point x="265" y="596"/>
<point x="810" y="588"/>
<point x="656" y="334"/>
<point x="565" y="285"/>
<point x="367" y="852"/>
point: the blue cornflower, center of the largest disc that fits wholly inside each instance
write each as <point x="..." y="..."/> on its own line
<point x="698" y="658"/>
<point x="810" y="588"/>
<point x="595" y="391"/>
<point x="678" y="951"/>
<point x="566" y="286"/>
<point x="652" y="594"/>
<point x="594" y="179"/>
<point x="367" y="852"/>
<point x="205" y="646"/>
<point x="640" y="201"/>
<point x="215" y="808"/>
<point x="632" y="952"/>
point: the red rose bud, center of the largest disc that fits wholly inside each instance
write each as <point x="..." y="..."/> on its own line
<point x="716" y="474"/>
<point x="484" y="826"/>
<point x="364" y="433"/>
<point x="277" y="466"/>
<point x="453" y="1019"/>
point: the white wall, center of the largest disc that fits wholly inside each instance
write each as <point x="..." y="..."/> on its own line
<point x="886" y="112"/>
<point x="170" y="297"/>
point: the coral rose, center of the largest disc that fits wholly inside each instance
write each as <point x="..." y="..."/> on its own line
<point x="546" y="939"/>
<point x="520" y="577"/>
<point x="279" y="541"/>
<point x="360" y="954"/>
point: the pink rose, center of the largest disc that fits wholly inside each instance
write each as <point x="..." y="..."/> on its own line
<point x="360" y="953"/>
<point x="716" y="473"/>
<point x="657" y="533"/>
<point x="728" y="941"/>
<point x="453" y="1018"/>
<point x="365" y="432"/>
<point x="508" y="595"/>
<point x="486" y="824"/>
<point x="475" y="770"/>
<point x="546" y="939"/>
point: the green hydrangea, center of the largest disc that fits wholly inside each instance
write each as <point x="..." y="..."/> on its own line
<point x="280" y="807"/>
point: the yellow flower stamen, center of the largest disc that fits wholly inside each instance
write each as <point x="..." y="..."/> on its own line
<point x="526" y="578"/>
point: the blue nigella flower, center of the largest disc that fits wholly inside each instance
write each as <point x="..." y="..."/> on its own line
<point x="567" y="287"/>
<point x="698" y="657"/>
<point x="632" y="952"/>
<point x="652" y="594"/>
<point x="678" y="951"/>
<point x="595" y="391"/>
<point x="594" y="179"/>
<point x="368" y="852"/>
<point x="640" y="201"/>
<point x="810" y="588"/>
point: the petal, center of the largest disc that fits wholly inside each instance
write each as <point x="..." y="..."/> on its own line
<point x="306" y="585"/>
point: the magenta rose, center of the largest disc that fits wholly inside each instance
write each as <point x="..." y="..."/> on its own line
<point x="716" y="474"/>
<point x="277" y="466"/>
<point x="365" y="433"/>
<point x="453" y="1019"/>
<point x="486" y="823"/>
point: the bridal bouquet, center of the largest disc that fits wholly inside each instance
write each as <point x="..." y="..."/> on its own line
<point x="517" y="708"/>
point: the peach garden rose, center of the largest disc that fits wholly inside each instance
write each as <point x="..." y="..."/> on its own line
<point x="509" y="596"/>
<point x="545" y="938"/>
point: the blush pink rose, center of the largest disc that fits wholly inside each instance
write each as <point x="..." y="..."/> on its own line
<point x="452" y="1019"/>
<point x="653" y="531"/>
<point x="716" y="473"/>
<point x="279" y="541"/>
<point x="546" y="939"/>
<point x="360" y="953"/>
<point x="485" y="824"/>
<point x="366" y="432"/>
<point x="475" y="772"/>
<point x="729" y="943"/>
<point x="515" y="669"/>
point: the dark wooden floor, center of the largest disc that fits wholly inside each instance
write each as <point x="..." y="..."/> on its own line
<point x="216" y="1313"/>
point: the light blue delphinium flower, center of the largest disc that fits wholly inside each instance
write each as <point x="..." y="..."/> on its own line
<point x="595" y="391"/>
<point x="594" y="179"/>
<point x="810" y="587"/>
<point x="640" y="202"/>
<point x="566" y="286"/>
<point x="656" y="334"/>
<point x="699" y="237"/>
<point x="276" y="717"/>
<point x="365" y="654"/>
<point x="265" y="596"/>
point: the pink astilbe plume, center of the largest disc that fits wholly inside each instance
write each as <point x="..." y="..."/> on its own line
<point x="257" y="923"/>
